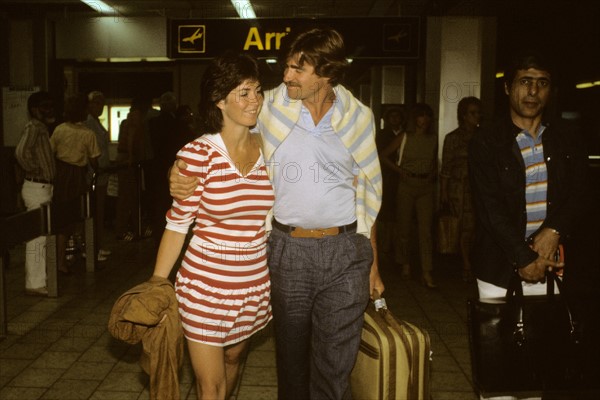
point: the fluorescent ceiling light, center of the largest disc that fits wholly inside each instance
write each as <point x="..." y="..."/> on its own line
<point x="132" y="59"/>
<point x="244" y="9"/>
<point x="100" y="6"/>
<point x="271" y="60"/>
<point x="587" y="85"/>
<point x="499" y="75"/>
<point x="584" y="85"/>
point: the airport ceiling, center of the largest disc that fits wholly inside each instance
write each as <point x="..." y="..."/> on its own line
<point x="566" y="27"/>
<point x="225" y="9"/>
<point x="299" y="8"/>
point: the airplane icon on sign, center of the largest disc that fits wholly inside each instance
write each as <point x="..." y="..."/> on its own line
<point x="196" y="35"/>
<point x="398" y="36"/>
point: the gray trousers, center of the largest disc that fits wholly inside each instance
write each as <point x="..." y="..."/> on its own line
<point x="319" y="290"/>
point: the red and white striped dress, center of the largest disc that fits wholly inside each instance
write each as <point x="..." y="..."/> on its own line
<point x="223" y="285"/>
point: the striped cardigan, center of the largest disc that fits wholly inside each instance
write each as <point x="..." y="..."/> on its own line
<point x="355" y="125"/>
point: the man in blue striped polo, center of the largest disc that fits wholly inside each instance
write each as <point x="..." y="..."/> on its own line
<point x="528" y="178"/>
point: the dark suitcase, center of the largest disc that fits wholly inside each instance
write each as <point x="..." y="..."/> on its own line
<point x="393" y="360"/>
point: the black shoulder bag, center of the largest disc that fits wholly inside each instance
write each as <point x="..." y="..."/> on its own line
<point x="526" y="345"/>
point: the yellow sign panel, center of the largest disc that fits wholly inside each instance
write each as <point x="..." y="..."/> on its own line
<point x="191" y="39"/>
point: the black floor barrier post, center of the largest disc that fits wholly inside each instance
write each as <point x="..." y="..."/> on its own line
<point x="89" y="232"/>
<point x="51" y="254"/>
<point x="140" y="179"/>
<point x="3" y="317"/>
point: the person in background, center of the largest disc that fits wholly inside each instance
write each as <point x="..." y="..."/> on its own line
<point x="319" y="142"/>
<point x="165" y="144"/>
<point x="455" y="191"/>
<point x="186" y="126"/>
<point x="223" y="285"/>
<point x="394" y="120"/>
<point x="96" y="103"/>
<point x="528" y="175"/>
<point x="416" y="188"/>
<point x="75" y="148"/>
<point x="34" y="155"/>
<point x="130" y="152"/>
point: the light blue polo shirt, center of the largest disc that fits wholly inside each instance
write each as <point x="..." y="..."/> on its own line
<point x="536" y="178"/>
<point x="313" y="176"/>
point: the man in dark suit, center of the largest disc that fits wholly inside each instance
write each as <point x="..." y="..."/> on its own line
<point x="394" y="120"/>
<point x="163" y="130"/>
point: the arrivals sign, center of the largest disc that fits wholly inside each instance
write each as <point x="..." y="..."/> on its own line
<point x="368" y="38"/>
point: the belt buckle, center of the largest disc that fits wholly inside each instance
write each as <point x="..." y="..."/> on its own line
<point x="314" y="233"/>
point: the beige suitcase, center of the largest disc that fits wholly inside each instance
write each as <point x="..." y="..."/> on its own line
<point x="394" y="359"/>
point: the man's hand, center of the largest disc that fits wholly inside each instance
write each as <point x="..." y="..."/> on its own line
<point x="545" y="243"/>
<point x="536" y="271"/>
<point x="375" y="281"/>
<point x="181" y="187"/>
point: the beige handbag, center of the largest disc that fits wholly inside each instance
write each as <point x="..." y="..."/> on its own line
<point x="447" y="233"/>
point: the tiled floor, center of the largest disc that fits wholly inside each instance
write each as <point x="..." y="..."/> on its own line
<point x="61" y="349"/>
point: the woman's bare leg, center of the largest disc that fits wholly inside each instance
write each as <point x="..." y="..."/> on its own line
<point x="216" y="368"/>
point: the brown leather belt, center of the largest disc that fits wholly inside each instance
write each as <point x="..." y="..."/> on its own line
<point x="318" y="233"/>
<point x="418" y="176"/>
<point x="37" y="180"/>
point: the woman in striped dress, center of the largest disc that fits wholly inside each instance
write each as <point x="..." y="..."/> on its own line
<point x="223" y="285"/>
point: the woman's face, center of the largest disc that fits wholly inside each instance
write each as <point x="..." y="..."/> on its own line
<point x="242" y="104"/>
<point x="422" y="123"/>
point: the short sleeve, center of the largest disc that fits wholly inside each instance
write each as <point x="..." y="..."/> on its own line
<point x="183" y="212"/>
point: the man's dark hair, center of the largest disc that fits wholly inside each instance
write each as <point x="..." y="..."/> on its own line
<point x="324" y="50"/>
<point x="76" y="108"/>
<point x="36" y="99"/>
<point x="141" y="103"/>
<point x="525" y="60"/>
<point x="223" y="74"/>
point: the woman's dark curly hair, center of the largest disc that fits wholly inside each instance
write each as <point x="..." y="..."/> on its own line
<point x="419" y="110"/>
<point x="324" y="50"/>
<point x="223" y="74"/>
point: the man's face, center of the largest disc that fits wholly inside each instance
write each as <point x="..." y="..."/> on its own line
<point x="96" y="106"/>
<point x="45" y="112"/>
<point x="301" y="80"/>
<point x="472" y="117"/>
<point x="394" y="119"/>
<point x="529" y="93"/>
